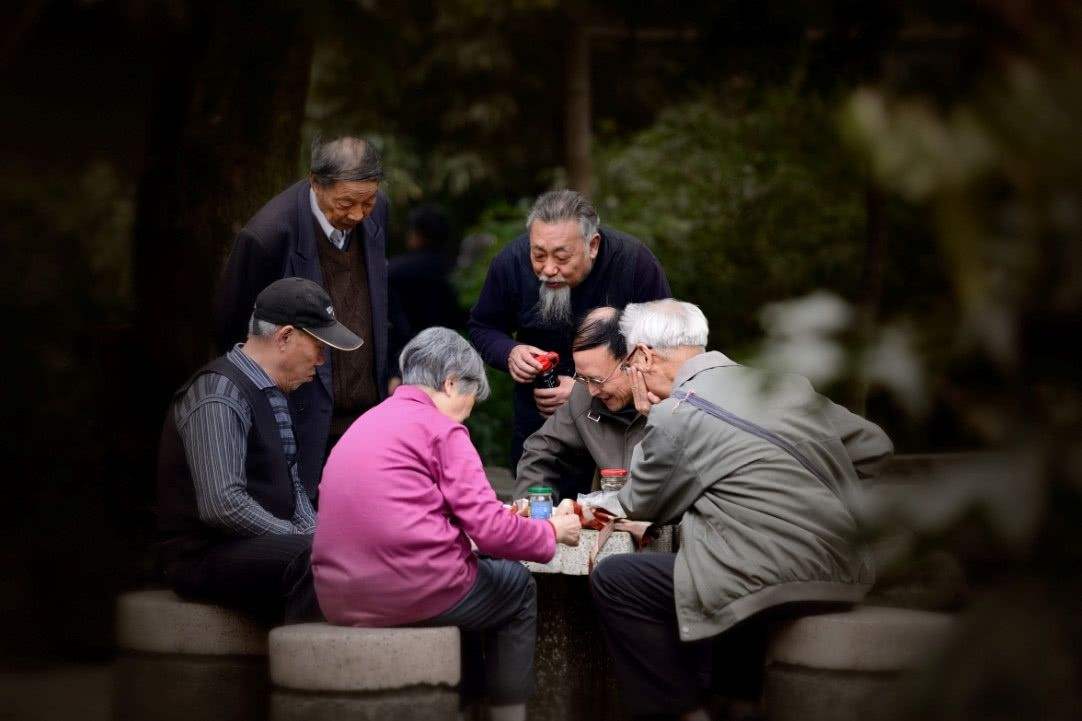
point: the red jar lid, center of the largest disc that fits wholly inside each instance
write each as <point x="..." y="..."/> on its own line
<point x="613" y="472"/>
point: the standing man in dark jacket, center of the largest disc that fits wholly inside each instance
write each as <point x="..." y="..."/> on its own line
<point x="541" y="284"/>
<point x="331" y="229"/>
<point x="234" y="519"/>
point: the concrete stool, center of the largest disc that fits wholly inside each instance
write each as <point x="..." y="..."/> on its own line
<point x="321" y="657"/>
<point x="849" y="666"/>
<point x="160" y="622"/>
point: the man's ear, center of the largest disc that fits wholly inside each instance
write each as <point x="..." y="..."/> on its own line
<point x="646" y="353"/>
<point x="593" y="246"/>
<point x="284" y="335"/>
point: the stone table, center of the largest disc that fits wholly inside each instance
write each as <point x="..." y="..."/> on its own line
<point x="575" y="678"/>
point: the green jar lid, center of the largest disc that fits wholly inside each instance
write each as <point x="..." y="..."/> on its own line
<point x="538" y="489"/>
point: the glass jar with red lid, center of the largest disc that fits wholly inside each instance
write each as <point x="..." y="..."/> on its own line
<point x="613" y="479"/>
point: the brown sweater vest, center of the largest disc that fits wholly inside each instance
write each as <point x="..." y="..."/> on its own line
<point x="345" y="277"/>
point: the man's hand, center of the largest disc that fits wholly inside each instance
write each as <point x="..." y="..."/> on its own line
<point x="644" y="399"/>
<point x="549" y="399"/>
<point x="567" y="529"/>
<point x="521" y="363"/>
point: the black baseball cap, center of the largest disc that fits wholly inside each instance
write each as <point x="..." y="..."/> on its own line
<point x="303" y="304"/>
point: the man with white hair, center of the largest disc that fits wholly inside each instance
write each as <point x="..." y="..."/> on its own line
<point x="759" y="469"/>
<point x="542" y="284"/>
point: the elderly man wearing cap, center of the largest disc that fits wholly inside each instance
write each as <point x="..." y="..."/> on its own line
<point x="235" y="522"/>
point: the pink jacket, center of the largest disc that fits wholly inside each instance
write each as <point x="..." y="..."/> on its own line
<point x="400" y="493"/>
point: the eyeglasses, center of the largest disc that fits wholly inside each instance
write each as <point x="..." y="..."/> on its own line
<point x="588" y="381"/>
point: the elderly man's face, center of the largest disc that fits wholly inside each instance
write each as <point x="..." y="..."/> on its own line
<point x="559" y="255"/>
<point x="300" y="355"/>
<point x="347" y="202"/>
<point x="600" y="371"/>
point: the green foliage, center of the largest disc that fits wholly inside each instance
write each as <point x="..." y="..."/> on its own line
<point x="744" y="200"/>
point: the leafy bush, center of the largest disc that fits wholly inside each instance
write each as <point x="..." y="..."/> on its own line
<point x="744" y="201"/>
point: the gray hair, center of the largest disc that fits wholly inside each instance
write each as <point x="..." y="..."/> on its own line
<point x="560" y="205"/>
<point x="664" y="324"/>
<point x="439" y="354"/>
<point x="345" y="158"/>
<point x="261" y="328"/>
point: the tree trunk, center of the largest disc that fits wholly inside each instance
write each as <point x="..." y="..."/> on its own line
<point x="580" y="172"/>
<point x="231" y="84"/>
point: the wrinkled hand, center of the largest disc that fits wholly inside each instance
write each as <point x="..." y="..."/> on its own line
<point x="549" y="399"/>
<point x="644" y="399"/>
<point x="566" y="506"/>
<point x="567" y="529"/>
<point x="521" y="363"/>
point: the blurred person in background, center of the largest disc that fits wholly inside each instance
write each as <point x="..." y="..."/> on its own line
<point x="403" y="494"/>
<point x="235" y="521"/>
<point x="420" y="277"/>
<point x="761" y="470"/>
<point x="598" y="426"/>
<point x="538" y="287"/>
<point x="330" y="228"/>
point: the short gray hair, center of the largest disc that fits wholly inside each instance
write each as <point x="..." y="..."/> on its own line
<point x="559" y="205"/>
<point x="261" y="328"/>
<point x="345" y="158"/>
<point x="664" y="324"/>
<point x="439" y="354"/>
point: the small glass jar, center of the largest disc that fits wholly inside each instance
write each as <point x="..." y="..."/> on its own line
<point x="613" y="479"/>
<point x="540" y="502"/>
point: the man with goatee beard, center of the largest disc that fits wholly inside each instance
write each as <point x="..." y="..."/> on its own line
<point x="542" y="284"/>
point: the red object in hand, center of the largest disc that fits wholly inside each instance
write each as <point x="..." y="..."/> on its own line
<point x="546" y="377"/>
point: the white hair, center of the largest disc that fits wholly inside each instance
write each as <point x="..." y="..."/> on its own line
<point x="261" y="328"/>
<point x="439" y="354"/>
<point x="560" y="205"/>
<point x="664" y="324"/>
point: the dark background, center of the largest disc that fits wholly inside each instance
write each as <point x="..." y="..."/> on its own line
<point x="743" y="143"/>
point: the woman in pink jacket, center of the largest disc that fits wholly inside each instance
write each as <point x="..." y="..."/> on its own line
<point x="402" y="494"/>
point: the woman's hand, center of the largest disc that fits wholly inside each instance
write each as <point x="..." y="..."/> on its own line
<point x="567" y="529"/>
<point x="644" y="399"/>
<point x="566" y="506"/>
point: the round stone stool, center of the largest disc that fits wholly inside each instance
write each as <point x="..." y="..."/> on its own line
<point x="160" y="622"/>
<point x="850" y="666"/>
<point x="868" y="638"/>
<point x="321" y="657"/>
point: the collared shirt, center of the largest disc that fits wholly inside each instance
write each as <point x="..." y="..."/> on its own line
<point x="214" y="419"/>
<point x="339" y="238"/>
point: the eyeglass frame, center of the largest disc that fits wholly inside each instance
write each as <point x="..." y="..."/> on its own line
<point x="587" y="381"/>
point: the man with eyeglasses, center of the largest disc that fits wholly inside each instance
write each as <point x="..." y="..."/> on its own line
<point x="541" y="285"/>
<point x="598" y="427"/>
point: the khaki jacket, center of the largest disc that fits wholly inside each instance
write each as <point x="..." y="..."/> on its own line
<point x="580" y="437"/>
<point x="757" y="529"/>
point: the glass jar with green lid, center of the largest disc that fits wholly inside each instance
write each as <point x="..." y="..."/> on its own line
<point x="540" y="502"/>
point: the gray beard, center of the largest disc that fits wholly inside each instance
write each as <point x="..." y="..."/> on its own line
<point x="554" y="305"/>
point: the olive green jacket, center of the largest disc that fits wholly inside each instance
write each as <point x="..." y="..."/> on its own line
<point x="580" y="437"/>
<point x="757" y="529"/>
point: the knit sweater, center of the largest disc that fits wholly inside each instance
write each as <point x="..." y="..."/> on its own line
<point x="345" y="278"/>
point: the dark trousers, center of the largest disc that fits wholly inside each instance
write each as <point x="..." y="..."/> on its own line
<point x="269" y="577"/>
<point x="498" y="621"/>
<point x="660" y="675"/>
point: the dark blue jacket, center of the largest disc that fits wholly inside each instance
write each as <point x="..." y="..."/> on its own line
<point x="625" y="271"/>
<point x="279" y="242"/>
